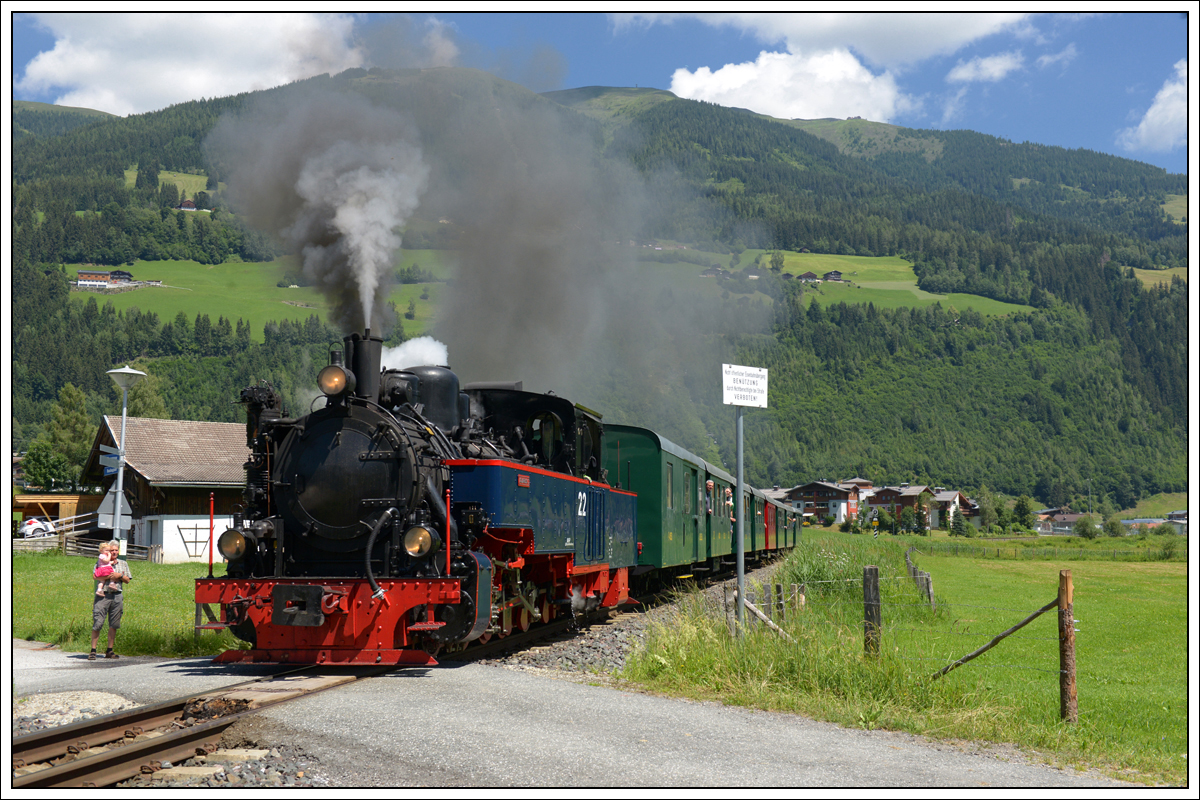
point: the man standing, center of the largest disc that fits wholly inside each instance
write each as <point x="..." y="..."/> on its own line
<point x="109" y="605"/>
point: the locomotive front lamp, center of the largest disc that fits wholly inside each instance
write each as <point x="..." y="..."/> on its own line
<point x="335" y="380"/>
<point x="233" y="544"/>
<point x="420" y="541"/>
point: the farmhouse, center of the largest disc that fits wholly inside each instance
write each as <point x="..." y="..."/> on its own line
<point x="895" y="499"/>
<point x="824" y="498"/>
<point x="832" y="275"/>
<point x="945" y="503"/>
<point x="172" y="469"/>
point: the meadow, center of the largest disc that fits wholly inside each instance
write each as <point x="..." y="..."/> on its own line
<point x="1153" y="277"/>
<point x="52" y="602"/>
<point x="189" y="183"/>
<point x="1156" y="506"/>
<point x="886" y="281"/>
<point x="1131" y="654"/>
<point x="248" y="291"/>
<point x="1176" y="207"/>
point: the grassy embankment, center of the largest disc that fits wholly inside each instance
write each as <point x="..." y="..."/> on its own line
<point x="52" y="602"/>
<point x="1131" y="654"/>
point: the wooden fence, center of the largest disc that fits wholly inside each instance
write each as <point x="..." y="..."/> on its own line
<point x="771" y="604"/>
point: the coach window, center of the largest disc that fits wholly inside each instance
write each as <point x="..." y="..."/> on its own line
<point x="670" y="485"/>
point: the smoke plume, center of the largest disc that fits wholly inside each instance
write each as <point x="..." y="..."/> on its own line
<point x="335" y="178"/>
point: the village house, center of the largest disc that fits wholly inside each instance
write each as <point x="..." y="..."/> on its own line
<point x="832" y="275"/>
<point x="894" y="499"/>
<point x="174" y="469"/>
<point x="820" y="499"/>
<point x="945" y="503"/>
<point x="101" y="279"/>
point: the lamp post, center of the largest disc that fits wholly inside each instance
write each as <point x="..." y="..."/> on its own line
<point x="124" y="378"/>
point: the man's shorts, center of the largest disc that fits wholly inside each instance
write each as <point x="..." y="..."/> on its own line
<point x="111" y="605"/>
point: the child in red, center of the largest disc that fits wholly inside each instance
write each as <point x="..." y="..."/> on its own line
<point x="104" y="568"/>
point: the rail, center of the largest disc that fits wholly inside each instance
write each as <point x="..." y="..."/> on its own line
<point x="107" y="750"/>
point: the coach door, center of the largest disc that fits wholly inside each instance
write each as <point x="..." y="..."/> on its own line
<point x="692" y="503"/>
<point x="769" y="526"/>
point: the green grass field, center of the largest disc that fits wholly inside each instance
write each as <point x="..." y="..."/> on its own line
<point x="187" y="182"/>
<point x="1176" y="207"/>
<point x="1153" y="277"/>
<point x="1131" y="650"/>
<point x="1131" y="655"/>
<point x="886" y="281"/>
<point x="1156" y="506"/>
<point x="248" y="291"/>
<point x="52" y="602"/>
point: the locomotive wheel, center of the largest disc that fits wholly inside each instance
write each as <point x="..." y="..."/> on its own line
<point x="524" y="619"/>
<point x="546" y="607"/>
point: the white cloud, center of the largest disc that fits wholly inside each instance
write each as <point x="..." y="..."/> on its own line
<point x="1065" y="57"/>
<point x="1164" y="126"/>
<point x="989" y="68"/>
<point x="953" y="107"/>
<point x="822" y="74"/>
<point x="889" y="40"/>
<point x="133" y="63"/>
<point x="824" y="84"/>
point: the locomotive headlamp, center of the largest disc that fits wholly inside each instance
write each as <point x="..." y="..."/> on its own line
<point x="335" y="380"/>
<point x="234" y="544"/>
<point x="420" y="541"/>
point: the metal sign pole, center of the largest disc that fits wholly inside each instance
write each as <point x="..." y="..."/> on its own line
<point x="742" y="386"/>
<point x="740" y="507"/>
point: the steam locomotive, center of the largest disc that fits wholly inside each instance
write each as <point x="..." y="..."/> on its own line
<point x="409" y="516"/>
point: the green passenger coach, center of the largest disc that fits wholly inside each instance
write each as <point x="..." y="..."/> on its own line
<point x="683" y="523"/>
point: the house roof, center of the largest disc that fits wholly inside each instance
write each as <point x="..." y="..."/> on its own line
<point x="169" y="452"/>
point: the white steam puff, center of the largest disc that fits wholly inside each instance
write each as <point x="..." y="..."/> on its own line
<point x="419" y="352"/>
<point x="364" y="192"/>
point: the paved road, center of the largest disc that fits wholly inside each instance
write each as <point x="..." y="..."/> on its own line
<point x="473" y="725"/>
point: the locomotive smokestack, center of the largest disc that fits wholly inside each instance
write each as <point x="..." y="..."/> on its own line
<point x="364" y="354"/>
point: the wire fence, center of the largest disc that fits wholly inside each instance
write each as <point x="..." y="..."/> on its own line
<point x="1166" y="549"/>
<point x="900" y="613"/>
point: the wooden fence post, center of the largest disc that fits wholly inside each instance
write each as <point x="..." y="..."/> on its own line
<point x="1068" y="702"/>
<point x="779" y="601"/>
<point x="871" y="609"/>
<point x="730" y="616"/>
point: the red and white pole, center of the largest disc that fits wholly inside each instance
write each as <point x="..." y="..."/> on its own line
<point x="210" y="532"/>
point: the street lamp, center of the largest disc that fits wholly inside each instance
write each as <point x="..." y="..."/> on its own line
<point x="125" y="378"/>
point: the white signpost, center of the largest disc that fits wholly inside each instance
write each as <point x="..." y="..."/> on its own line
<point x="743" y="387"/>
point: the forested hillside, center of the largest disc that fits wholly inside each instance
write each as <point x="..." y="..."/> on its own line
<point x="1090" y="386"/>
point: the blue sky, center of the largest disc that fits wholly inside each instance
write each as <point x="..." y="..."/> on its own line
<point x="1116" y="83"/>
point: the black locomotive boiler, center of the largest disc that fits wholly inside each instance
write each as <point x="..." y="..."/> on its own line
<point x="408" y="515"/>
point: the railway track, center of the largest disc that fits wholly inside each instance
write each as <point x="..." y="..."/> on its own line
<point x="107" y="750"/>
